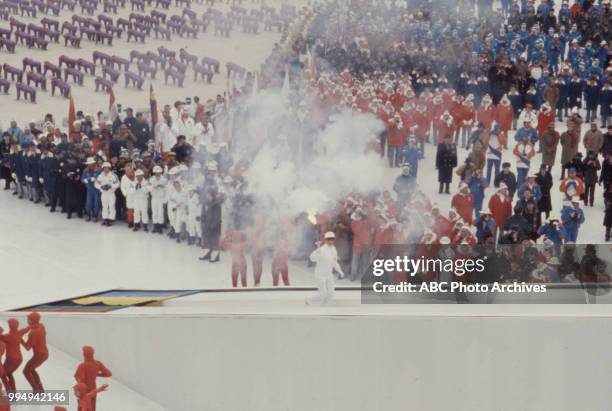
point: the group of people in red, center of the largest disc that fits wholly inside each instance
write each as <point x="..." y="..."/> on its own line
<point x="33" y="338"/>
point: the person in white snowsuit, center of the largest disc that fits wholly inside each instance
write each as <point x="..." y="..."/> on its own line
<point x="194" y="211"/>
<point x="107" y="182"/>
<point x="177" y="204"/>
<point x="326" y="258"/>
<point x="126" y="181"/>
<point x="172" y="177"/>
<point x="157" y="187"/>
<point x="139" y="193"/>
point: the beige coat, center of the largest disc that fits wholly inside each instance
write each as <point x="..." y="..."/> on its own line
<point x="549" y="143"/>
<point x="593" y="140"/>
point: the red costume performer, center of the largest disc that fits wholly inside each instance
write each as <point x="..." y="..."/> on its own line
<point x="37" y="342"/>
<point x="236" y="244"/>
<point x="86" y="396"/>
<point x="89" y="370"/>
<point x="13" y="352"/>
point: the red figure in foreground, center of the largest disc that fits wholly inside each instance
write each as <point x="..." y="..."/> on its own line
<point x="89" y="370"/>
<point x="86" y="396"/>
<point x="37" y="342"/>
<point x="13" y="352"/>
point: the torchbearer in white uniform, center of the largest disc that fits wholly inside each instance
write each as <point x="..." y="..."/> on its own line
<point x="326" y="258"/>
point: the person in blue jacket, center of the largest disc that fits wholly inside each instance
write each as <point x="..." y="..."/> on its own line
<point x="526" y="132"/>
<point x="553" y="231"/>
<point x="477" y="184"/>
<point x="411" y="155"/>
<point x="32" y="160"/>
<point x="591" y="95"/>
<point x="532" y="186"/>
<point x="563" y="86"/>
<point x="92" y="198"/>
<point x="17" y="163"/>
<point x="605" y="100"/>
<point x="404" y="185"/>
<point x="49" y="173"/>
<point x="485" y="226"/>
<point x="572" y="217"/>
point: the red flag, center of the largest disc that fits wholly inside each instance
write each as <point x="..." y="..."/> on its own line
<point x="71" y="116"/>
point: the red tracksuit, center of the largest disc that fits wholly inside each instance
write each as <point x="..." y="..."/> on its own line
<point x="501" y="210"/>
<point x="89" y="370"/>
<point x="37" y="342"/>
<point x="13" y="359"/>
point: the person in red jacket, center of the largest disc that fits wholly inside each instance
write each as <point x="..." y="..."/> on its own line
<point x="89" y="370"/>
<point x="422" y="120"/>
<point x="235" y="243"/>
<point x="486" y="112"/>
<point x="85" y="396"/>
<point x="468" y="119"/>
<point x="464" y="203"/>
<point x="362" y="241"/>
<point x="546" y="116"/>
<point x="37" y="342"/>
<point x="504" y="114"/>
<point x="500" y="205"/>
<point x="13" y="359"/>
<point x="396" y="140"/>
<point x="445" y="126"/>
<point x="441" y="225"/>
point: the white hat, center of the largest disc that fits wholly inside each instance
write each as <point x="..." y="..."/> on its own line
<point x="212" y="166"/>
<point x="445" y="240"/>
<point x="139" y="172"/>
<point x="554" y="261"/>
<point x="106" y="164"/>
<point x="157" y="169"/>
<point x="485" y="212"/>
<point x="90" y="160"/>
<point x="173" y="171"/>
<point x="329" y="235"/>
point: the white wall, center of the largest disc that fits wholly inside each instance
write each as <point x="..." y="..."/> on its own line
<point x="352" y="363"/>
